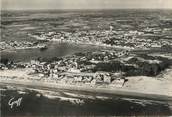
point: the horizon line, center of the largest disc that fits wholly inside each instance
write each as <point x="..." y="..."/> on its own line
<point x="41" y="9"/>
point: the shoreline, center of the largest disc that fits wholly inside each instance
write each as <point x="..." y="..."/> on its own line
<point x="70" y="42"/>
<point x="93" y="44"/>
<point x="105" y="46"/>
<point x="102" y="90"/>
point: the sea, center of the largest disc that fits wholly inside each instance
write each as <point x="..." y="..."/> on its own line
<point x="39" y="102"/>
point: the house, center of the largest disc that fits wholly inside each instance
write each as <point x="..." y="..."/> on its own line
<point x="88" y="79"/>
<point x="107" y="79"/>
<point x="118" y="82"/>
<point x="78" y="78"/>
<point x="34" y="62"/>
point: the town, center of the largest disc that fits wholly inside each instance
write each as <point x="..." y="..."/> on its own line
<point x="98" y="68"/>
<point x="10" y="45"/>
<point x="132" y="39"/>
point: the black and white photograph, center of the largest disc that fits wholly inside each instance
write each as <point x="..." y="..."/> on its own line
<point x="85" y="58"/>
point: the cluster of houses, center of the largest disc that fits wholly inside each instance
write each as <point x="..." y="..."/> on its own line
<point x="75" y="70"/>
<point x="85" y="37"/>
<point x="19" y="45"/>
<point x="127" y="39"/>
<point x="92" y="79"/>
<point x="76" y="63"/>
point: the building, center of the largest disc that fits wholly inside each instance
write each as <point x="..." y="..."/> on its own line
<point x="118" y="82"/>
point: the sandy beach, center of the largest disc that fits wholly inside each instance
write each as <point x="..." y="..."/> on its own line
<point x="142" y="86"/>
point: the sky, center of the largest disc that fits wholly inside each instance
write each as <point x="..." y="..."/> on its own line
<point x="84" y="4"/>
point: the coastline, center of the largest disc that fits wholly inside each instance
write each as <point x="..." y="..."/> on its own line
<point x="103" y="90"/>
<point x="140" y="86"/>
<point x="92" y="44"/>
<point x="108" y="47"/>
